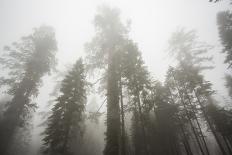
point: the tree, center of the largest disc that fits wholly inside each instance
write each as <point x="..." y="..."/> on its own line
<point x="224" y="20"/>
<point x="192" y="88"/>
<point x="182" y="82"/>
<point x="66" y="121"/>
<point x="25" y="62"/>
<point x="167" y="132"/>
<point x="136" y="79"/>
<point x="229" y="84"/>
<point x="215" y="1"/>
<point x="104" y="52"/>
<point x="222" y="121"/>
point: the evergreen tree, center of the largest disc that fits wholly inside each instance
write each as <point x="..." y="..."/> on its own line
<point x="26" y="62"/>
<point x="224" y="20"/>
<point x="221" y="118"/>
<point x="104" y="53"/>
<point x="166" y="139"/>
<point x="229" y="84"/>
<point x="137" y="80"/>
<point x="192" y="88"/>
<point x="66" y="121"/>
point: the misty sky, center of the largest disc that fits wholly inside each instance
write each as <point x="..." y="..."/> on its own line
<point x="152" y="22"/>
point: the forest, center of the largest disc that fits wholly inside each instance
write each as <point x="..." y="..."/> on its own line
<point x="108" y="101"/>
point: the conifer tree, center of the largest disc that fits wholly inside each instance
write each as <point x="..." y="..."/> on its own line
<point x="166" y="122"/>
<point x="191" y="86"/>
<point x="104" y="53"/>
<point x="137" y="80"/>
<point x="221" y="118"/>
<point x="66" y="121"/>
<point x="224" y="20"/>
<point x="25" y="62"/>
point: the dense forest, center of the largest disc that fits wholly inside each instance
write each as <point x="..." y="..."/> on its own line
<point x="137" y="113"/>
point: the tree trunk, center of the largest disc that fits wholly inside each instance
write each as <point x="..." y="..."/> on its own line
<point x="185" y="140"/>
<point x="198" y="124"/>
<point x="146" y="150"/>
<point x="189" y="118"/>
<point x="113" y="113"/>
<point x="123" y="135"/>
<point x="210" y="125"/>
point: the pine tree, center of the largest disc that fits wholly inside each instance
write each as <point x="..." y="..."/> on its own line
<point x="221" y="118"/>
<point x="229" y="84"/>
<point x="136" y="79"/>
<point x="65" y="122"/>
<point x="191" y="86"/>
<point x="25" y="62"/>
<point x="224" y="20"/>
<point x="166" y="122"/>
<point x="104" y="53"/>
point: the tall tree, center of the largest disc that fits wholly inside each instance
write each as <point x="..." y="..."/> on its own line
<point x="137" y="80"/>
<point x="222" y="121"/>
<point x="215" y="1"/>
<point x="103" y="52"/>
<point x="193" y="89"/>
<point x="224" y="20"/>
<point x="65" y="122"/>
<point x="229" y="84"/>
<point x="26" y="62"/>
<point x="166" y="140"/>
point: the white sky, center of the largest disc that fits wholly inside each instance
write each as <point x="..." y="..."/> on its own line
<point x="153" y="21"/>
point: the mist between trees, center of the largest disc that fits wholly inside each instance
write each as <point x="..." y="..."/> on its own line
<point x="138" y="115"/>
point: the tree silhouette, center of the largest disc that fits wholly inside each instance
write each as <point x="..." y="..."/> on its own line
<point x="66" y="121"/>
<point x="25" y="62"/>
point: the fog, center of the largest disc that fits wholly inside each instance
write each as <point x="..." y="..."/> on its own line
<point x="150" y="25"/>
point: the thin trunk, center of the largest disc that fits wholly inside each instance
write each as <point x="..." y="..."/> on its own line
<point x="186" y="147"/>
<point x="229" y="138"/>
<point x="198" y="124"/>
<point x="142" y="125"/>
<point x="176" y="147"/>
<point x="64" y="149"/>
<point x="123" y="135"/>
<point x="227" y="144"/>
<point x="189" y="118"/>
<point x="210" y="125"/>
<point x="195" y="134"/>
<point x="185" y="141"/>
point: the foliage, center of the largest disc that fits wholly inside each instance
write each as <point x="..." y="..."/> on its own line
<point x="65" y="122"/>
<point x="224" y="20"/>
<point x="25" y="62"/>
